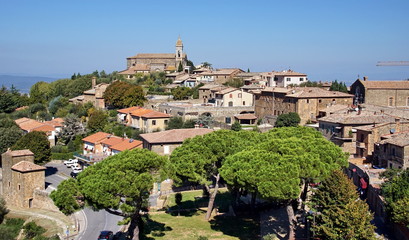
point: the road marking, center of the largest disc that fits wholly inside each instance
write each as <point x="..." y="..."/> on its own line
<point x="106" y="220"/>
<point x="86" y="225"/>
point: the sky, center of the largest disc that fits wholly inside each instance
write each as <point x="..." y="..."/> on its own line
<point x="327" y="40"/>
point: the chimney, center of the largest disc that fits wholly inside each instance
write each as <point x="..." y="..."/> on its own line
<point x="365" y="78"/>
<point x="94" y="81"/>
<point x="397" y="124"/>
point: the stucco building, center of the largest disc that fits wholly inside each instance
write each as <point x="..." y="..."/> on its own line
<point x="144" y="119"/>
<point x="165" y="142"/>
<point x="381" y="93"/>
<point x="21" y="178"/>
<point x="95" y="95"/>
<point x="155" y="62"/>
<point x="305" y="101"/>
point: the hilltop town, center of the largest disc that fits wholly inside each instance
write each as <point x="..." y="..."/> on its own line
<point x="174" y="149"/>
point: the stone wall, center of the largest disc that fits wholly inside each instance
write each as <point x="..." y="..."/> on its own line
<point x="159" y="148"/>
<point x="43" y="201"/>
<point x="380" y="97"/>
<point x="193" y="112"/>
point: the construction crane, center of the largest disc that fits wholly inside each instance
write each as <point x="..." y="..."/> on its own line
<point x="392" y="63"/>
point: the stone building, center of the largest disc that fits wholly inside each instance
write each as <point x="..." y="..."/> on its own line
<point x="393" y="151"/>
<point x="95" y="95"/>
<point x="189" y="111"/>
<point x="307" y="102"/>
<point x="163" y="143"/>
<point x="381" y="93"/>
<point x="21" y="178"/>
<point x="155" y="62"/>
<point x="146" y="120"/>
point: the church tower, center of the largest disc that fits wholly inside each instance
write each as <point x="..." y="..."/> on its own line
<point x="179" y="52"/>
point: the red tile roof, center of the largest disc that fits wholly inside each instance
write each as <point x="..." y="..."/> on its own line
<point x="25" y="166"/>
<point x="17" y="153"/>
<point x="111" y="140"/>
<point x="386" y="84"/>
<point x="128" y="110"/>
<point x="127" y="144"/>
<point x="174" y="135"/>
<point x="245" y="116"/>
<point x="96" y="137"/>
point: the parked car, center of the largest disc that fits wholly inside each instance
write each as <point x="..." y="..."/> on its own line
<point x="104" y="235"/>
<point x="70" y="162"/>
<point x="76" y="167"/>
<point x="74" y="174"/>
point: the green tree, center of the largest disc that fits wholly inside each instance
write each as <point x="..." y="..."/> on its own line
<point x="207" y="65"/>
<point x="236" y="126"/>
<point x="199" y="159"/>
<point x="338" y="211"/>
<point x="97" y="120"/>
<point x="72" y="128"/>
<point x="396" y="193"/>
<point x="234" y="82"/>
<point x="291" y="119"/>
<point x="37" y="143"/>
<point x="122" y="94"/>
<point x="40" y="92"/>
<point x="177" y="123"/>
<point x="68" y="198"/>
<point x="180" y="67"/>
<point x="32" y="230"/>
<point x="3" y="210"/>
<point x="120" y="184"/>
<point x="191" y="65"/>
<point x="181" y="93"/>
<point x="57" y="103"/>
<point x="10" y="133"/>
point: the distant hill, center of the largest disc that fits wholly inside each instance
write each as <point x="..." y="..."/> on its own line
<point x="22" y="83"/>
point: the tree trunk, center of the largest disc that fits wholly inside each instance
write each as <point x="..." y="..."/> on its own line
<point x="212" y="198"/>
<point x="253" y="200"/>
<point x="290" y="213"/>
<point x="135" y="227"/>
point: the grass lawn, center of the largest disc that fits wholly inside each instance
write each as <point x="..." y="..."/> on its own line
<point x="191" y="223"/>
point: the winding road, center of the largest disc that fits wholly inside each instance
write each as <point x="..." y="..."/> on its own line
<point x="91" y="222"/>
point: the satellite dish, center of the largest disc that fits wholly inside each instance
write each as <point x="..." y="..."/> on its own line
<point x="392" y="131"/>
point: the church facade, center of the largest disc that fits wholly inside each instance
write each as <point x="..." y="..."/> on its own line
<point x="156" y="62"/>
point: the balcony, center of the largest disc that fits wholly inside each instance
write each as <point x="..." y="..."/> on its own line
<point x="90" y="158"/>
<point x="360" y="145"/>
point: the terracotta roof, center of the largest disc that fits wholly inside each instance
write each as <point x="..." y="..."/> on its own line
<point x="307" y="92"/>
<point x="136" y="68"/>
<point x="155" y="114"/>
<point x="112" y="140"/>
<point x="77" y="98"/>
<point x="146" y="113"/>
<point x="353" y="118"/>
<point x="399" y="139"/>
<point x="288" y="73"/>
<point x="54" y="123"/>
<point x="226" y="71"/>
<point x="128" y="110"/>
<point x="210" y="86"/>
<point x="29" y="124"/>
<point x="96" y="137"/>
<point x="174" y="135"/>
<point x="157" y="55"/>
<point x="25" y="166"/>
<point x="128" y="144"/>
<point x="21" y="108"/>
<point x="386" y="84"/>
<point x="226" y="90"/>
<point x="21" y="120"/>
<point x="245" y="116"/>
<point x="17" y="153"/>
<point x="44" y="128"/>
<point x="60" y="120"/>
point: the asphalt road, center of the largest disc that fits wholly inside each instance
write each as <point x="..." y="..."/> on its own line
<point x="93" y="221"/>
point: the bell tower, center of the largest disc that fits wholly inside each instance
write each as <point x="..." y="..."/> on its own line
<point x="179" y="52"/>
